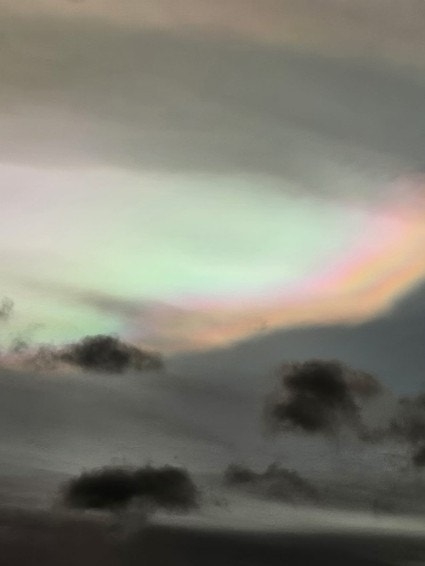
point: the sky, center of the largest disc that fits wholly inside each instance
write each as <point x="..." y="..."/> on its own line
<point x="188" y="175"/>
<point x="234" y="184"/>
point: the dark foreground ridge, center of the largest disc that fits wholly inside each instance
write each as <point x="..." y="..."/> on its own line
<point x="47" y="539"/>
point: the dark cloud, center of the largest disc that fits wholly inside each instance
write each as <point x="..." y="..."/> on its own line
<point x="275" y="482"/>
<point x="168" y="487"/>
<point x="363" y="384"/>
<point x="110" y="488"/>
<point x="409" y="420"/>
<point x="108" y="354"/>
<point x="418" y="457"/>
<point x="237" y="474"/>
<point x="328" y="397"/>
<point x="114" y="488"/>
<point x="98" y="353"/>
<point x="316" y="397"/>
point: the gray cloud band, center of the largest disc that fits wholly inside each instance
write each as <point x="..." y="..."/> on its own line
<point x="82" y="93"/>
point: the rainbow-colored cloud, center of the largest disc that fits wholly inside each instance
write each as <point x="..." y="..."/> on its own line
<point x="203" y="265"/>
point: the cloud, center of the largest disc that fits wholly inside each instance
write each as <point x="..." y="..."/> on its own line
<point x="104" y="489"/>
<point x="390" y="346"/>
<point x="418" y="457"/>
<point x="98" y="353"/>
<point x="363" y="384"/>
<point x="327" y="397"/>
<point x="274" y="483"/>
<point x="6" y="309"/>
<point x="315" y="397"/>
<point x="409" y="420"/>
<point x="80" y="92"/>
<point x="161" y="325"/>
<point x="382" y="30"/>
<point x="114" y="488"/>
<point x="107" y="353"/>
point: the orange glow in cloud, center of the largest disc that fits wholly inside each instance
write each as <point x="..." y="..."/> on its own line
<point x="385" y="263"/>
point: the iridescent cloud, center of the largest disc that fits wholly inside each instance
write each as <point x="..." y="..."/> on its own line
<point x="177" y="172"/>
<point x="178" y="263"/>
